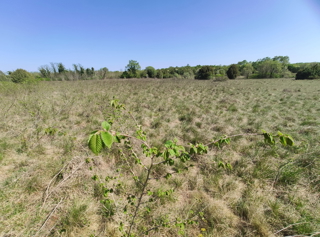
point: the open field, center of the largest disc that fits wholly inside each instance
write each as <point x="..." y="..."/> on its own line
<point x="46" y="187"/>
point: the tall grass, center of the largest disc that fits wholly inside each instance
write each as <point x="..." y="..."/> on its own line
<point x="46" y="187"/>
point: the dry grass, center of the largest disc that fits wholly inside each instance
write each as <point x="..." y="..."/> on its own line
<point x="46" y="187"/>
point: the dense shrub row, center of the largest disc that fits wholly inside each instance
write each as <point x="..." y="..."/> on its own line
<point x="276" y="67"/>
<point x="311" y="72"/>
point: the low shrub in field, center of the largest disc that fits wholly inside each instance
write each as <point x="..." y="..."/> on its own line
<point x="205" y="73"/>
<point x="233" y="71"/>
<point x="20" y="76"/>
<point x="312" y="72"/>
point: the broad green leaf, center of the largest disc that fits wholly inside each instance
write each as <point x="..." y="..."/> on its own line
<point x="289" y="140"/>
<point x="269" y="138"/>
<point x="90" y="138"/>
<point x="172" y="152"/>
<point x="107" y="139"/>
<point x="165" y="155"/>
<point x="168" y="144"/>
<point x="95" y="144"/>
<point x="280" y="133"/>
<point x="221" y="164"/>
<point x="193" y="150"/>
<point x="283" y="140"/>
<point x="106" y="126"/>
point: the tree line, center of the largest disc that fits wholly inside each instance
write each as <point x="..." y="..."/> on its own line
<point x="276" y="67"/>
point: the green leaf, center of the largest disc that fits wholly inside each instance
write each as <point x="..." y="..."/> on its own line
<point x="95" y="144"/>
<point x="106" y="126"/>
<point x="171" y="162"/>
<point x="172" y="152"/>
<point x="268" y="138"/>
<point x="118" y="138"/>
<point x="168" y="175"/>
<point x="193" y="150"/>
<point x="283" y="140"/>
<point x="107" y="139"/>
<point x="289" y="140"/>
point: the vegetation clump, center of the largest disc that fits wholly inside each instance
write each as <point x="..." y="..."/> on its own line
<point x="233" y="71"/>
<point x="312" y="72"/>
<point x="20" y="76"/>
<point x="132" y="70"/>
<point x="151" y="72"/>
<point x="205" y="73"/>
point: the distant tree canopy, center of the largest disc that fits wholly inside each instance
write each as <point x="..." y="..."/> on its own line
<point x="276" y="67"/>
<point x="205" y="73"/>
<point x="293" y="68"/>
<point x="247" y="70"/>
<point x="132" y="70"/>
<point x="151" y="72"/>
<point x="310" y="72"/>
<point x="20" y="76"/>
<point x="233" y="71"/>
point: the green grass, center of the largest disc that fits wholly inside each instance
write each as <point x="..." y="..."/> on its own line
<point x="45" y="126"/>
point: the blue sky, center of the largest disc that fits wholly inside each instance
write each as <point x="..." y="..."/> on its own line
<point x="103" y="33"/>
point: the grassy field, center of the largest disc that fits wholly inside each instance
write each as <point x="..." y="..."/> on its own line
<point x="46" y="186"/>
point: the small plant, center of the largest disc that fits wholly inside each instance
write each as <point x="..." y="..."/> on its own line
<point x="156" y="163"/>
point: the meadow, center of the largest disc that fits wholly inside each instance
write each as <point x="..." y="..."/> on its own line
<point x="245" y="188"/>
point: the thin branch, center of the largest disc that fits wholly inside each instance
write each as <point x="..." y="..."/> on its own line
<point x="49" y="216"/>
<point x="289" y="227"/>
<point x="132" y="172"/>
<point x="144" y="142"/>
<point x="49" y="193"/>
<point x="140" y="198"/>
<point x="48" y="187"/>
<point x="236" y="135"/>
<point x="5" y="113"/>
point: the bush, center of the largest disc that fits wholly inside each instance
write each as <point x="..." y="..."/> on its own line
<point x="20" y="76"/>
<point x="151" y="72"/>
<point x="312" y="72"/>
<point x="205" y="73"/>
<point x="293" y="68"/>
<point x="233" y="71"/>
<point x="159" y="74"/>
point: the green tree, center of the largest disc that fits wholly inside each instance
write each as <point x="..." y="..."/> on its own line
<point x="247" y="70"/>
<point x="293" y="68"/>
<point x="233" y="71"/>
<point x="103" y="72"/>
<point x="269" y="69"/>
<point x="205" y="73"/>
<point x="151" y="72"/>
<point x="311" y="72"/>
<point x="132" y="68"/>
<point x="159" y="74"/>
<point x="61" y="68"/>
<point x="45" y="71"/>
<point x="54" y="68"/>
<point x="20" y="76"/>
<point x="284" y="60"/>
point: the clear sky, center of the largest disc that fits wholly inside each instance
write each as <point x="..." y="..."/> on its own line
<point x="105" y="33"/>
